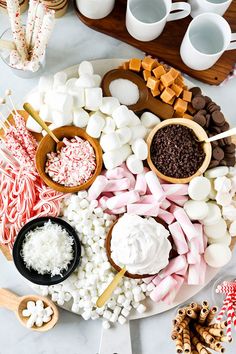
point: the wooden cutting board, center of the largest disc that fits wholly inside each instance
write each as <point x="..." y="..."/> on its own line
<point x="167" y="46"/>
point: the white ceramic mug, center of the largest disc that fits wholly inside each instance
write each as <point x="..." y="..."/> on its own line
<point x="201" y="6"/>
<point x="95" y="9"/>
<point x="208" y="36"/>
<point x="146" y="19"/>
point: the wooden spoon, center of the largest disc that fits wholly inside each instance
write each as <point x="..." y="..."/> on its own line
<point x="34" y="114"/>
<point x="7" y="44"/>
<point x="17" y="304"/>
<point x="146" y="100"/>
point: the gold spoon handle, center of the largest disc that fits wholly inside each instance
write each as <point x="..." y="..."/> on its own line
<point x="111" y="287"/>
<point x="28" y="108"/>
<point x="7" y="44"/>
<point x="229" y="132"/>
<point x="8" y="300"/>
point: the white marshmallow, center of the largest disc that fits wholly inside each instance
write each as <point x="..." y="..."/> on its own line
<point x="196" y="209"/>
<point x="95" y="125"/>
<point x="93" y="98"/>
<point x="149" y="120"/>
<point x="134" y="119"/>
<point x="35" y="99"/>
<point x="223" y="199"/>
<point x="212" y="194"/>
<point x="217" y="172"/>
<point x="125" y="134"/>
<point x="222" y="184"/>
<point x="217" y="230"/>
<point x="62" y="118"/>
<point x="33" y="126"/>
<point x="59" y="101"/>
<point x="115" y="158"/>
<point x="85" y="81"/>
<point x="97" y="80"/>
<point x="232" y="229"/>
<point x="121" y="116"/>
<point x="214" y="214"/>
<point x="140" y="149"/>
<point x="110" y="142"/>
<point x="45" y="83"/>
<point x="70" y="84"/>
<point x="106" y="324"/>
<point x="45" y="113"/>
<point x="199" y="188"/>
<point x="85" y="67"/>
<point x="109" y="126"/>
<point x="59" y="79"/>
<point x="78" y="95"/>
<point x="80" y="118"/>
<point x="138" y="132"/>
<point x="141" y="308"/>
<point x="134" y="164"/>
<point x="217" y="255"/>
<point x="62" y="89"/>
<point x="109" y="104"/>
<point x="121" y="320"/>
<point x="225" y="240"/>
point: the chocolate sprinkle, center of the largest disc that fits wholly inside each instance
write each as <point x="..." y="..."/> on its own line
<point x="175" y="151"/>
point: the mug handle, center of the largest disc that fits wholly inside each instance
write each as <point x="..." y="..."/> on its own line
<point x="232" y="44"/>
<point x="185" y="11"/>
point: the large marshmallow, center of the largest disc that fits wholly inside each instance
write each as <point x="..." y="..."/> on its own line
<point x="59" y="101"/>
<point x="199" y="188"/>
<point x="213" y="216"/>
<point x="35" y="99"/>
<point x="45" y="113"/>
<point x="115" y="158"/>
<point x="33" y="126"/>
<point x="85" y="81"/>
<point x="70" y="84"/>
<point x="78" y="96"/>
<point x="217" y="172"/>
<point x="110" y="142"/>
<point x="121" y="116"/>
<point x="45" y="83"/>
<point x="134" y="164"/>
<point x="85" y="67"/>
<point x="95" y="125"/>
<point x="196" y="209"/>
<point x="138" y="132"/>
<point x="125" y="134"/>
<point x="97" y="80"/>
<point x="80" y="118"/>
<point x="134" y="119"/>
<point x="109" y="126"/>
<point x="149" y="120"/>
<point x="62" y="118"/>
<point x="109" y="104"/>
<point x="140" y="149"/>
<point x="93" y="98"/>
<point x="59" y="79"/>
<point x="217" y="255"/>
<point x="218" y="230"/>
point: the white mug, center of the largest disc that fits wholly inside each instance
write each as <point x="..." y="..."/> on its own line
<point x="208" y="36"/>
<point x="146" y="19"/>
<point x="95" y="9"/>
<point x="201" y="6"/>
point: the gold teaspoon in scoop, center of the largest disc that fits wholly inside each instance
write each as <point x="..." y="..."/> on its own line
<point x="17" y="304"/>
<point x="146" y="100"/>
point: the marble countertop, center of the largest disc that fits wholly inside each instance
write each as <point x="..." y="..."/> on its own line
<point x="72" y="42"/>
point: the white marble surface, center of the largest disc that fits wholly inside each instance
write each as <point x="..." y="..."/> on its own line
<point x="72" y="42"/>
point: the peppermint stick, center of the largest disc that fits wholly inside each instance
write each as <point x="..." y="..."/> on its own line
<point x="33" y="5"/>
<point x="13" y="9"/>
<point x="38" y="22"/>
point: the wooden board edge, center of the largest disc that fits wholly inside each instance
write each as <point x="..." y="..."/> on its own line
<point x="6" y="252"/>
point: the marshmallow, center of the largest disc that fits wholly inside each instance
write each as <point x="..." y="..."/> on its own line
<point x="213" y="216"/>
<point x="97" y="80"/>
<point x="222" y="184"/>
<point x="196" y="209"/>
<point x="179" y="238"/>
<point x="138" y="132"/>
<point x="193" y="255"/>
<point x="134" y="164"/>
<point x="194" y="271"/>
<point x="110" y="142"/>
<point x="154" y="185"/>
<point x="143" y="209"/>
<point x="175" y="189"/>
<point x="123" y="199"/>
<point x="45" y="113"/>
<point x="217" y="172"/>
<point x="61" y="119"/>
<point x="80" y="118"/>
<point x="97" y="187"/>
<point x="185" y="223"/>
<point x="217" y="255"/>
<point x="45" y="84"/>
<point x="141" y="184"/>
<point x="85" y="67"/>
<point x="175" y="264"/>
<point x="116" y="173"/>
<point x="109" y="104"/>
<point x="212" y="194"/>
<point x="35" y="99"/>
<point x="125" y="135"/>
<point x="70" y="84"/>
<point x="33" y="126"/>
<point x="59" y="79"/>
<point x="115" y="158"/>
<point x="178" y="199"/>
<point x="110" y="127"/>
<point x="121" y="116"/>
<point x="223" y="199"/>
<point x="149" y="120"/>
<point x="166" y="216"/>
<point x="78" y="95"/>
<point x="93" y="98"/>
<point x="226" y="240"/>
<point x="140" y="149"/>
<point x="232" y="229"/>
<point x="85" y="81"/>
<point x="217" y="230"/>
<point x="59" y="101"/>
<point x="200" y="239"/>
<point x="95" y="124"/>
<point x="117" y="185"/>
<point x="165" y="286"/>
<point x="199" y="188"/>
<point x="133" y="119"/>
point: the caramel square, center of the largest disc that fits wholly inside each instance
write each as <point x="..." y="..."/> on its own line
<point x="161" y="86"/>
<point x="177" y="89"/>
<point x="155" y="93"/>
<point x="146" y="74"/>
<point x="180" y="106"/>
<point x="135" y="64"/>
<point x="159" y="71"/>
<point x="171" y="102"/>
<point x="167" y="79"/>
<point x="148" y="63"/>
<point x="125" y="65"/>
<point x="187" y="116"/>
<point x="187" y="96"/>
<point x="153" y="83"/>
<point x="167" y="95"/>
<point x="191" y="109"/>
<point x="174" y="73"/>
<point x="178" y="114"/>
<point x="179" y="81"/>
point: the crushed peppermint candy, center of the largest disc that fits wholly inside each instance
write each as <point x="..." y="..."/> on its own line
<point x="74" y="164"/>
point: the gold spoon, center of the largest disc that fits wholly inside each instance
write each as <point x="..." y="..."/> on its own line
<point x="34" y="114"/>
<point x="17" y="304"/>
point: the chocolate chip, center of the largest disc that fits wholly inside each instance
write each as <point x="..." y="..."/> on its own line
<point x="196" y="91"/>
<point x="225" y="127"/>
<point x="208" y="120"/>
<point x="230" y="148"/>
<point x="208" y="99"/>
<point x="218" y="153"/>
<point x="218" y="118"/>
<point x="227" y="140"/>
<point x="229" y="155"/>
<point x="214" y="143"/>
<point x="212" y="107"/>
<point x="216" y="130"/>
<point x="200" y="119"/>
<point x="198" y="102"/>
<point x="202" y="111"/>
<point x="231" y="161"/>
<point x="213" y="163"/>
<point x="221" y="142"/>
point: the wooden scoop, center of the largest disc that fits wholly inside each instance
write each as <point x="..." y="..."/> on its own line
<point x="146" y="100"/>
<point x="34" y="114"/>
<point x="17" y="304"/>
<point x="7" y="44"/>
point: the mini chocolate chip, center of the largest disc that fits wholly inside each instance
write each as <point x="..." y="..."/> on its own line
<point x="196" y="91"/>
<point x="208" y="120"/>
<point x="229" y="155"/>
<point x="198" y="102"/>
<point x="230" y="148"/>
<point x="200" y="119"/>
<point x="213" y="163"/>
<point x="218" y="153"/>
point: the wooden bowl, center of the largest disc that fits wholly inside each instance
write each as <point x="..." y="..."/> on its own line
<point x="47" y="145"/>
<point x="118" y="268"/>
<point x="200" y="134"/>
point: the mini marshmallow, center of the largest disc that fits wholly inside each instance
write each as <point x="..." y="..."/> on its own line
<point x="109" y="104"/>
<point x="45" y="83"/>
<point x="78" y="95"/>
<point x="109" y="126"/>
<point x="217" y="230"/>
<point x="199" y="188"/>
<point x="217" y="172"/>
<point x="116" y="173"/>
<point x="110" y="142"/>
<point x="59" y="101"/>
<point x="85" y="67"/>
<point x="217" y="255"/>
<point x="124" y="134"/>
<point x="93" y="98"/>
<point x="140" y="149"/>
<point x="196" y="209"/>
<point x="138" y="132"/>
<point x="35" y="99"/>
<point x="33" y="126"/>
<point x="213" y="216"/>
<point x="59" y="79"/>
<point x="106" y="324"/>
<point x="134" y="164"/>
<point x="62" y="118"/>
<point x="149" y="120"/>
<point x="115" y="158"/>
<point x="121" y="116"/>
<point x="45" y="113"/>
<point x="80" y="118"/>
<point x="95" y="124"/>
<point x="122" y="320"/>
<point x="117" y="185"/>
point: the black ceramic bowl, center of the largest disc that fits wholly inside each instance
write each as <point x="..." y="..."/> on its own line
<point x="31" y="274"/>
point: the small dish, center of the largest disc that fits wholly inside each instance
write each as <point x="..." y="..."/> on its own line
<point x="47" y="145"/>
<point x="200" y="134"/>
<point x="32" y="275"/>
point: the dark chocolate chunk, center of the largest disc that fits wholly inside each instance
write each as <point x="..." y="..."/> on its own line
<point x="196" y="91"/>
<point x="198" y="102"/>
<point x="221" y="142"/>
<point x="218" y="153"/>
<point x="200" y="119"/>
<point x="202" y="111"/>
<point x="216" y="130"/>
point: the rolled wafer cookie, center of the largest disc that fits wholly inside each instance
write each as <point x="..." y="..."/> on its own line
<point x="179" y="344"/>
<point x="196" y="307"/>
<point x="203" y="315"/>
<point x="199" y="346"/>
<point x="219" y="325"/>
<point x="181" y="326"/>
<point x="211" y="315"/>
<point x="181" y="314"/>
<point x="192" y="314"/>
<point x="216" y="346"/>
<point x="215" y="331"/>
<point x="174" y="334"/>
<point x="208" y="338"/>
<point x="224" y="339"/>
<point x="205" y="304"/>
<point x="187" y="341"/>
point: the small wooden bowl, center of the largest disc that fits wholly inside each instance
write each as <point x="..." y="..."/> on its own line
<point x="47" y="145"/>
<point x="200" y="134"/>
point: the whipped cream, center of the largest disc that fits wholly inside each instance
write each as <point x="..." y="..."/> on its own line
<point x="139" y="244"/>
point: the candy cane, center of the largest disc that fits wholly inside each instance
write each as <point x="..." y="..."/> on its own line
<point x="224" y="307"/>
<point x="229" y="321"/>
